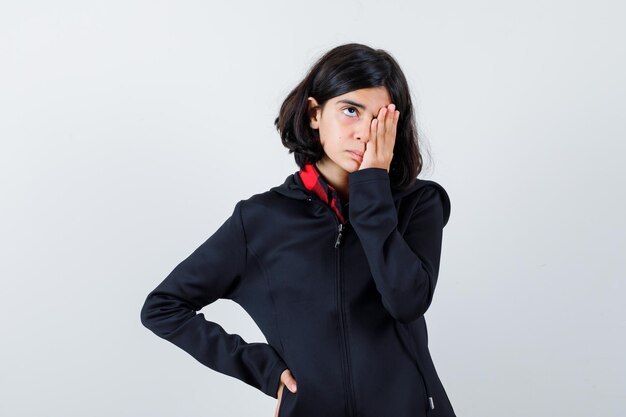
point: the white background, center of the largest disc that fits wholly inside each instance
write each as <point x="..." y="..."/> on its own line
<point x="129" y="129"/>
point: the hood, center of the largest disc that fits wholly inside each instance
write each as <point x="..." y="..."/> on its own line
<point x="292" y="187"/>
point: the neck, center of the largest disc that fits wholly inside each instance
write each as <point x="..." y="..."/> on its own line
<point x="335" y="176"/>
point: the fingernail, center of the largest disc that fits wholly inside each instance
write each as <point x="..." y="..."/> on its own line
<point x="293" y="387"/>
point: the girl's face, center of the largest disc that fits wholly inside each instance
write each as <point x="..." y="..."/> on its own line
<point x="344" y="125"/>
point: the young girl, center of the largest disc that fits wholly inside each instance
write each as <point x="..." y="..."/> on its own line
<point x="336" y="266"/>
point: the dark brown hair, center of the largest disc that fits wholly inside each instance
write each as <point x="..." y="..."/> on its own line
<point x="345" y="68"/>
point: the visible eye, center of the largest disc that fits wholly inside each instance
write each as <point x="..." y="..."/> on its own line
<point x="350" y="108"/>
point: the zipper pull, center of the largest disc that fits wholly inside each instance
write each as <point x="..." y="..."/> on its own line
<point x="432" y="403"/>
<point x="338" y="241"/>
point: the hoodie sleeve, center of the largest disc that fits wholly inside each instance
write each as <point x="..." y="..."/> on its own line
<point x="404" y="268"/>
<point x="214" y="270"/>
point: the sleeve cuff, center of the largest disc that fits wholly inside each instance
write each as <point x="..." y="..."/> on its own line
<point x="274" y="380"/>
<point x="368" y="174"/>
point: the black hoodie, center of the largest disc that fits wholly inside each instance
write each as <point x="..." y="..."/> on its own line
<point x="352" y="330"/>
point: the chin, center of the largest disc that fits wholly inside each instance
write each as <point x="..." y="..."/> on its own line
<point x="351" y="166"/>
<point x="348" y="164"/>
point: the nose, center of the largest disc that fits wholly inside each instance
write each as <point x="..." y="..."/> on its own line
<point x="363" y="130"/>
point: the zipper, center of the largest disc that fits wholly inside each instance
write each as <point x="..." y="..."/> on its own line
<point x="347" y="370"/>
<point x="340" y="233"/>
<point x="342" y="318"/>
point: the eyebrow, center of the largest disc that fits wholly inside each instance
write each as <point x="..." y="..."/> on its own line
<point x="354" y="103"/>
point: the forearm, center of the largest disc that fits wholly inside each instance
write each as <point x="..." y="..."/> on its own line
<point x="404" y="268"/>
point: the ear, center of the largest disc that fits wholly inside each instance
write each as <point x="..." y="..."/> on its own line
<point x="313" y="111"/>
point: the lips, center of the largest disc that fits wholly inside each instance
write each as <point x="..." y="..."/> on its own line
<point x="356" y="155"/>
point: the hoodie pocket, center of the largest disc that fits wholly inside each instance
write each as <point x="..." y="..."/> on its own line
<point x="413" y="351"/>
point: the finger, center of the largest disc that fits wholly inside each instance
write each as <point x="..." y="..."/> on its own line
<point x="389" y="119"/>
<point x="371" y="143"/>
<point x="277" y="409"/>
<point x="289" y="381"/>
<point x="393" y="128"/>
<point x="389" y="127"/>
<point x="396" y="117"/>
<point x="380" y="131"/>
